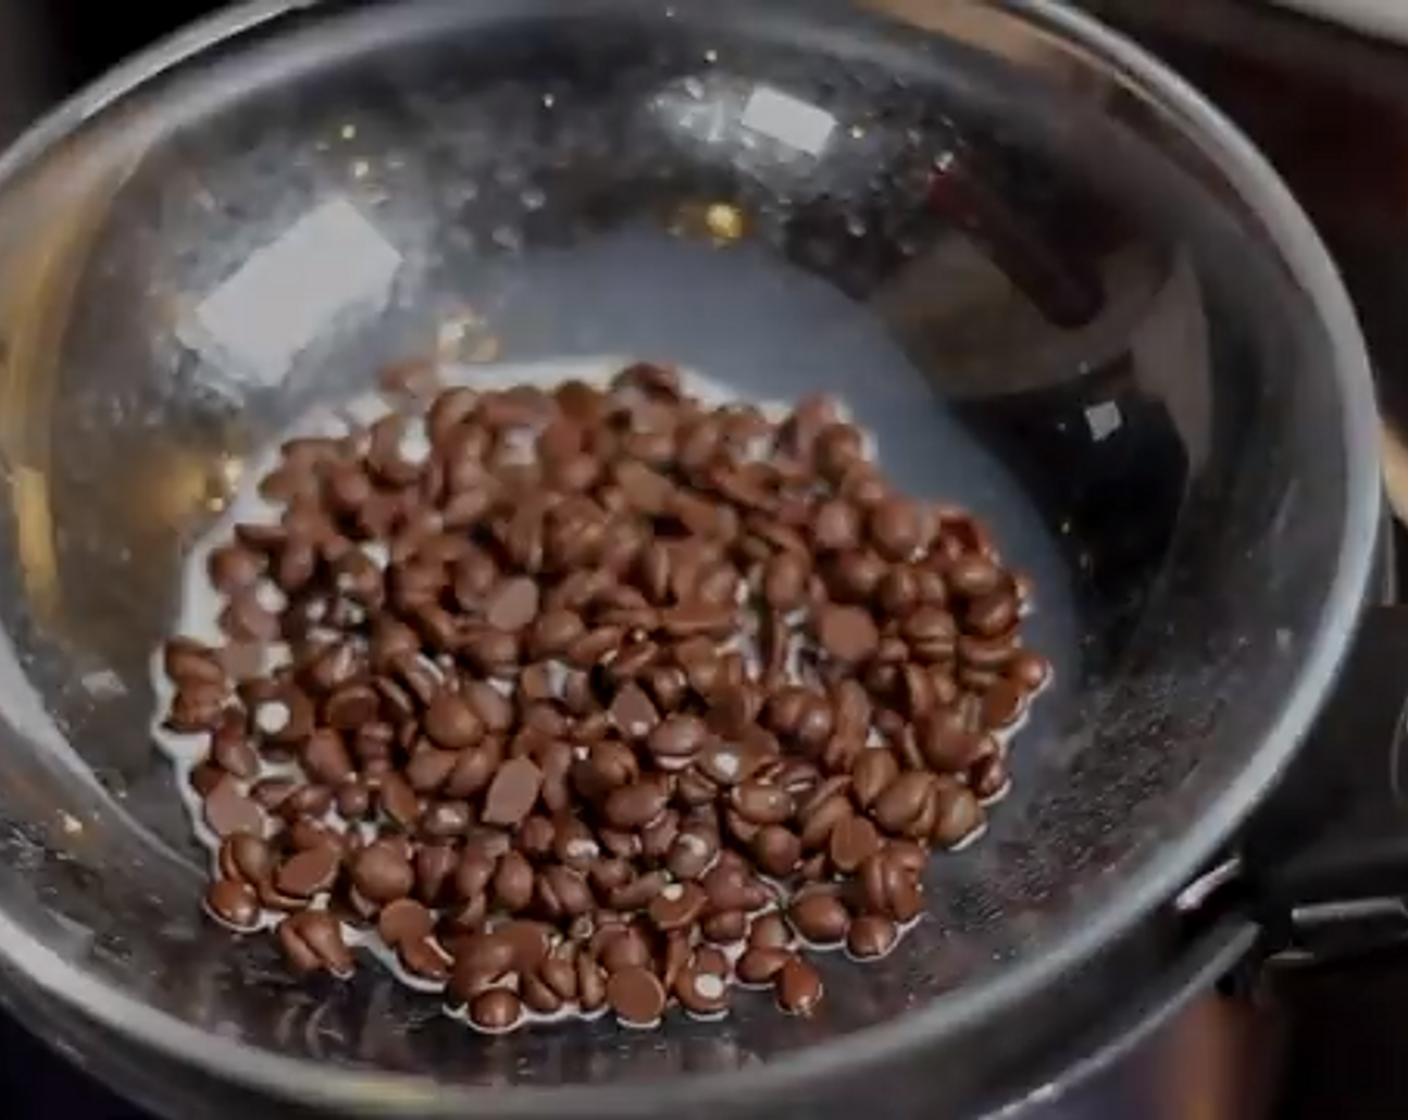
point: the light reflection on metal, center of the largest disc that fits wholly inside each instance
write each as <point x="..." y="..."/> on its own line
<point x="724" y="222"/>
<point x="37" y="291"/>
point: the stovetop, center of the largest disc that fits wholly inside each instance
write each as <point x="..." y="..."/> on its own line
<point x="1331" y="110"/>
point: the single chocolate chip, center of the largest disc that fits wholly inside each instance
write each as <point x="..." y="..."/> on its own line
<point x="403" y="921"/>
<point x="352" y="707"/>
<point x="196" y="707"/>
<point x="637" y="805"/>
<point x="761" y="803"/>
<point x="312" y="942"/>
<point x="513" y="605"/>
<point x="725" y="927"/>
<point x="847" y="634"/>
<point x="1030" y="670"/>
<point x="826" y="807"/>
<point x="246" y="857"/>
<point x="769" y="931"/>
<point x="424" y="959"/>
<point x="993" y="614"/>
<point x="932" y="634"/>
<point x="854" y="577"/>
<point x="1004" y="703"/>
<point x="902" y="801"/>
<point x="310" y="872"/>
<point x="852" y="842"/>
<point x="633" y="713"/>
<point x="989" y="777"/>
<point x="559" y="974"/>
<point x="819" y="915"/>
<point x="898" y="528"/>
<point x="382" y="873"/>
<point x="760" y="965"/>
<point x="231" y="750"/>
<point x="514" y="882"/>
<point x="399" y="801"/>
<point x="637" y="997"/>
<point x="233" y="904"/>
<point x="777" y="850"/>
<point x="958" y="815"/>
<point x="799" y="987"/>
<point x="228" y="811"/>
<point x="871" y="936"/>
<point x="974" y="576"/>
<point x="513" y="792"/>
<point x="591" y="984"/>
<point x="453" y="722"/>
<point x="947" y="741"/>
<point x="702" y="992"/>
<point x="678" y="906"/>
<point x="785" y="582"/>
<point x="901" y="590"/>
<point x="496" y="1011"/>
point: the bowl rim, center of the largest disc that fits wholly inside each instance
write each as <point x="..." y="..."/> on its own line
<point x="359" y="1092"/>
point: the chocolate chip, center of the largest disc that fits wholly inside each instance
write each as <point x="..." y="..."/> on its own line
<point x="310" y="872"/>
<point x="513" y="605"/>
<point x="974" y="576"/>
<point x="453" y="722"/>
<point x="871" y="936"/>
<point x="785" y="582"/>
<point x="513" y="792"/>
<point x="231" y="750"/>
<point x="514" y="882"/>
<point x="312" y="942"/>
<point x="399" y="801"/>
<point x="769" y="931"/>
<point x="759" y="966"/>
<point x="635" y="806"/>
<point x="902" y="801"/>
<point x="591" y="984"/>
<point x="725" y="927"/>
<point x="702" y="992"/>
<point x="853" y="840"/>
<point x="1004" y="703"/>
<point x="633" y="713"/>
<point x="233" y="904"/>
<point x="188" y="663"/>
<point x="405" y="921"/>
<point x="760" y="803"/>
<point x="947" y="741"/>
<point x="1029" y="670"/>
<point x="898" y="528"/>
<point x="848" y="634"/>
<point x="819" y="915"/>
<point x="381" y="873"/>
<point x="637" y="997"/>
<point x="799" y="987"/>
<point x="227" y="811"/>
<point x="678" y="906"/>
<point x="247" y="858"/>
<point x="496" y="1011"/>
<point x="352" y="707"/>
<point x="958" y="815"/>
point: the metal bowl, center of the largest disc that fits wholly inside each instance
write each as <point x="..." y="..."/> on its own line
<point x="1052" y="281"/>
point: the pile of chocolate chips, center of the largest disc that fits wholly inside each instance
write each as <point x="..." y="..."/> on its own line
<point x="596" y="698"/>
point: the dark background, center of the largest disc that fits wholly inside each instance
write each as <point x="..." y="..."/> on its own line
<point x="1331" y="110"/>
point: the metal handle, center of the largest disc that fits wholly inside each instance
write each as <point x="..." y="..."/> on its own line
<point x="1325" y="866"/>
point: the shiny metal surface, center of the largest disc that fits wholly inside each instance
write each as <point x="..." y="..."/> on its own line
<point x="1024" y="221"/>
